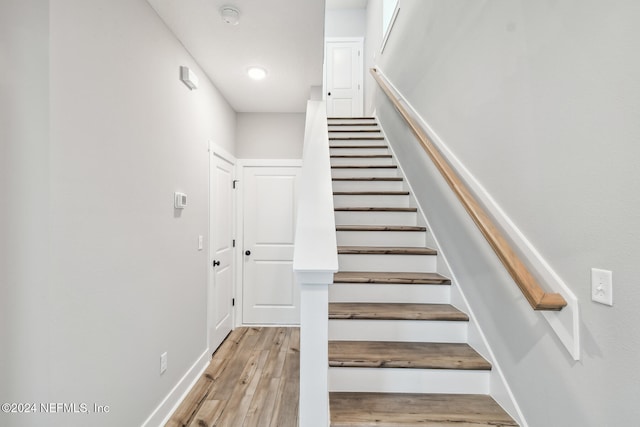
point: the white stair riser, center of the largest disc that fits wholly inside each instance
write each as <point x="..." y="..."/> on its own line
<point x="412" y="239"/>
<point x="368" y="185"/>
<point x="365" y="161"/>
<point x="357" y="142"/>
<point x="397" y="380"/>
<point x="355" y="127"/>
<point x="343" y="133"/>
<point x="392" y="263"/>
<point x="398" y="330"/>
<point x="356" y="172"/>
<point x="350" y="292"/>
<point x="375" y="218"/>
<point x="358" y="151"/>
<point x="380" y="201"/>
<point x="351" y="122"/>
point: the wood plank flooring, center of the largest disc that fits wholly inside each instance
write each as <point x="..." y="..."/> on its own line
<point x="252" y="380"/>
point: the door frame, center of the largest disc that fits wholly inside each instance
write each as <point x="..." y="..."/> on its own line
<point x="217" y="151"/>
<point x="359" y="40"/>
<point x="240" y="165"/>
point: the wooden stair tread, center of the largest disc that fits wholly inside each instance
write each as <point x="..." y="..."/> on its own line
<point x="358" y="146"/>
<point x="353" y="130"/>
<point x="410" y="355"/>
<point x="375" y="209"/>
<point x="360" y="156"/>
<point x="356" y="138"/>
<point x="350" y="118"/>
<point x="371" y="193"/>
<point x="369" y="178"/>
<point x="378" y="277"/>
<point x="349" y="409"/>
<point x="384" y="250"/>
<point x="364" y="167"/>
<point x="380" y="228"/>
<point x="395" y="311"/>
<point x="353" y="124"/>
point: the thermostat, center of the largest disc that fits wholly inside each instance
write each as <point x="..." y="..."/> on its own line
<point x="180" y="200"/>
<point x="188" y="77"/>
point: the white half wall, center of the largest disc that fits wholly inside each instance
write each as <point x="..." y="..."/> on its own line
<point x="270" y="135"/>
<point x="540" y="102"/>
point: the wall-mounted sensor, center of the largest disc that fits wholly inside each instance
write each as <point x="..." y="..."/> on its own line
<point x="180" y="200"/>
<point x="188" y="77"/>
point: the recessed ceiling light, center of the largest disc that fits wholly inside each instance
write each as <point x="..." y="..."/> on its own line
<point x="257" y="73"/>
<point x="230" y="15"/>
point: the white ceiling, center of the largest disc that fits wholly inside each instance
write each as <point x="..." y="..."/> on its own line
<point x="286" y="37"/>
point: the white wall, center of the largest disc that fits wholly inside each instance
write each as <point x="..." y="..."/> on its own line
<point x="372" y="44"/>
<point x="270" y="135"/>
<point x="24" y="248"/>
<point x="541" y="102"/>
<point x="345" y="23"/>
<point x="92" y="196"/>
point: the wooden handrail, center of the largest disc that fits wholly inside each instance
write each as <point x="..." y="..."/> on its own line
<point x="533" y="292"/>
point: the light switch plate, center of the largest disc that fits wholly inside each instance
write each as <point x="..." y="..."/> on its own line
<point x="602" y="286"/>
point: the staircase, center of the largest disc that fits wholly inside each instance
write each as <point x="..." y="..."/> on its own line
<point x="397" y="349"/>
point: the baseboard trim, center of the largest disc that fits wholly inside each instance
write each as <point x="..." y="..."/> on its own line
<point x="160" y="416"/>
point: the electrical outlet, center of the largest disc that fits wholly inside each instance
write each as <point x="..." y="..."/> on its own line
<point x="163" y="362"/>
<point x="602" y="286"/>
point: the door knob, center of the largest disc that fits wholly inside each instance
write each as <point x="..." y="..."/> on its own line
<point x="329" y="94"/>
<point x="216" y="263"/>
<point x="247" y="253"/>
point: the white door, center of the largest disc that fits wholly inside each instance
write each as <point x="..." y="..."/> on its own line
<point x="220" y="289"/>
<point x="344" y="78"/>
<point x="270" y="295"/>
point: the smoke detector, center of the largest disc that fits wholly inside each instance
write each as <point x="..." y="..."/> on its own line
<point x="230" y="15"/>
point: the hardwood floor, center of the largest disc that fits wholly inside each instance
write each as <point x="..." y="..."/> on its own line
<point x="252" y="380"/>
